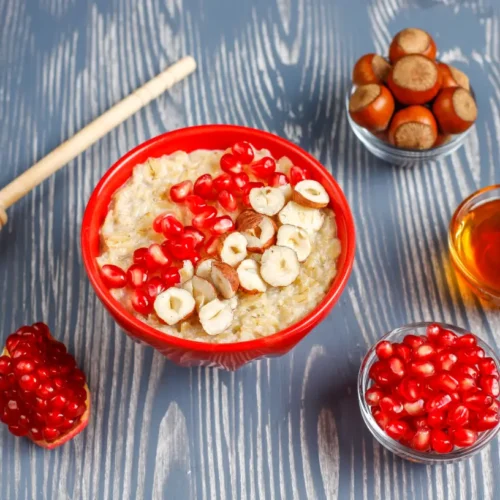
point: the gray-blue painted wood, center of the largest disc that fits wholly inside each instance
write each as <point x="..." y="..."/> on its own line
<point x="282" y="428"/>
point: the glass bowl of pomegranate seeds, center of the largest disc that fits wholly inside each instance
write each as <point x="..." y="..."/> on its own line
<point x="428" y="392"/>
<point x="218" y="244"/>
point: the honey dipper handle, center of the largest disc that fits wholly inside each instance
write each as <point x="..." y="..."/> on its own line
<point x="90" y="134"/>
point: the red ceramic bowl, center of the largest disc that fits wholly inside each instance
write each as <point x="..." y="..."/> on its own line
<point x="188" y="352"/>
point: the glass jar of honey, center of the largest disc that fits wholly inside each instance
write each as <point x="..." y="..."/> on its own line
<point x="474" y="241"/>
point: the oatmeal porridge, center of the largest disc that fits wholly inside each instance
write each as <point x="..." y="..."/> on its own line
<point x="219" y="246"/>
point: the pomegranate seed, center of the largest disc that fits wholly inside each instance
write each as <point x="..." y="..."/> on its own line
<point x="137" y="275"/>
<point x="458" y="415"/>
<point x="298" y="174"/>
<point x="373" y="396"/>
<point x="182" y="247"/>
<point x="413" y="341"/>
<point x="23" y="366"/>
<point x="444" y="382"/>
<point x="5" y="365"/>
<point x="243" y="151"/>
<point x="408" y="437"/>
<point x="179" y="192"/>
<point x="171" y="226"/>
<point x="222" y="225"/>
<point x="170" y="276"/>
<point x="28" y="382"/>
<point x="463" y="369"/>
<point x="410" y="389"/>
<point x="113" y="276"/>
<point x="212" y="245"/>
<point x="455" y="397"/>
<point x="140" y="256"/>
<point x="156" y="257"/>
<point x="231" y="164"/>
<point x="196" y="204"/>
<point x="464" y="437"/>
<point x="264" y="167"/>
<point x="436" y="419"/>
<point x="477" y="401"/>
<point x="467" y="340"/>
<point x="204" y="186"/>
<point x="227" y="201"/>
<point x="154" y="286"/>
<point x="195" y="257"/>
<point x="50" y="434"/>
<point x="487" y="420"/>
<point x="248" y="188"/>
<point x="142" y="302"/>
<point x="470" y="355"/>
<point x="396" y="429"/>
<point x="157" y="223"/>
<point x="487" y="366"/>
<point x="240" y="182"/>
<point x="489" y="384"/>
<point x="403" y="352"/>
<point x="223" y="182"/>
<point x="197" y="236"/>
<point x="204" y="219"/>
<point x="381" y="418"/>
<point x="446" y="338"/>
<point x="396" y="366"/>
<point x="424" y="352"/>
<point x="433" y="331"/>
<point x="439" y="402"/>
<point x="440" y="441"/>
<point x="415" y="409"/>
<point x="377" y="369"/>
<point x="391" y="405"/>
<point x="419" y="422"/>
<point x="422" y="439"/>
<point x="41" y="328"/>
<point x="445" y="361"/>
<point x="384" y="349"/>
<point x="278" y="179"/>
<point x="422" y="368"/>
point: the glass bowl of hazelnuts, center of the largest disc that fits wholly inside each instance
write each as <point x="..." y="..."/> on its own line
<point x="410" y="108"/>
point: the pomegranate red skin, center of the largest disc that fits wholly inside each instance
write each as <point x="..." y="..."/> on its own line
<point x="59" y="439"/>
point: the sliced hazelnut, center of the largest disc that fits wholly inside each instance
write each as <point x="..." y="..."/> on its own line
<point x="310" y="219"/>
<point x="311" y="194"/>
<point x="216" y="317"/>
<point x="267" y="200"/>
<point x="249" y="276"/>
<point x="174" y="305"/>
<point x="233" y="248"/>
<point x="295" y="238"/>
<point x="279" y="266"/>
<point x="225" y="279"/>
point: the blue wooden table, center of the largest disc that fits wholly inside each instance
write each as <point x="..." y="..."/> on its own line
<point x="285" y="428"/>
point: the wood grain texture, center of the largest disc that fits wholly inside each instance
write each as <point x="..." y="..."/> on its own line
<point x="282" y="428"/>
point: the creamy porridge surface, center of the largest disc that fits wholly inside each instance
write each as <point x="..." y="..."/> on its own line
<point x="128" y="226"/>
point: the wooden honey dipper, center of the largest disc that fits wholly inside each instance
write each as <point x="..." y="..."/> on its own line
<point x="90" y="134"/>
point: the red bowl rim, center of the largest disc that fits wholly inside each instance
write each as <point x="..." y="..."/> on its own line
<point x="306" y="323"/>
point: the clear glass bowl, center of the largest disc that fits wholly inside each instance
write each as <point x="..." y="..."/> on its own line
<point x="400" y="156"/>
<point x="364" y="382"/>
<point x="473" y="201"/>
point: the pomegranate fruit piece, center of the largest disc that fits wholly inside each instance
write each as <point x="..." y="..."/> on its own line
<point x="422" y="368"/>
<point x="171" y="226"/>
<point x="477" y="401"/>
<point x="204" y="219"/>
<point x="222" y="225"/>
<point x="402" y="351"/>
<point x="278" y="179"/>
<point x="384" y="349"/>
<point x="240" y="182"/>
<point x="436" y="419"/>
<point x="422" y="439"/>
<point x="113" y="276"/>
<point x="137" y="275"/>
<point x="230" y="164"/>
<point x="298" y="174"/>
<point x="423" y="352"/>
<point x="243" y="151"/>
<point x="489" y="384"/>
<point x="487" y="366"/>
<point x="445" y="361"/>
<point x="33" y="405"/>
<point x="179" y="192"/>
<point x="410" y="389"/>
<point x="141" y="301"/>
<point x="212" y="245"/>
<point x="464" y="437"/>
<point x="381" y="418"/>
<point x="415" y="409"/>
<point x="396" y="367"/>
<point x="154" y="286"/>
<point x="391" y="405"/>
<point x="196" y="204"/>
<point x="413" y="341"/>
<point x="373" y="396"/>
<point x="487" y="420"/>
<point x="204" y="186"/>
<point x="440" y="441"/>
<point x="156" y="257"/>
<point x="170" y="276"/>
<point x="467" y="340"/>
<point x="227" y="201"/>
<point x="396" y="429"/>
<point x="470" y="355"/>
<point x="446" y="338"/>
<point x="264" y="167"/>
<point x="196" y="236"/>
<point x="457" y="415"/>
<point x="139" y="256"/>
<point x="444" y="382"/>
<point x="223" y="182"/>
<point x="433" y="331"/>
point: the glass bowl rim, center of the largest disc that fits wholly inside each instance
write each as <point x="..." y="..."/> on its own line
<point x="453" y="249"/>
<point x="394" y="446"/>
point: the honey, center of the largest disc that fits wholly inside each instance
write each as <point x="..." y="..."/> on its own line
<point x="476" y="238"/>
